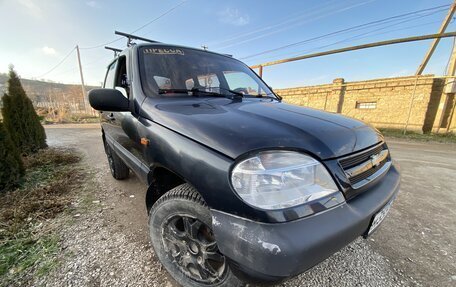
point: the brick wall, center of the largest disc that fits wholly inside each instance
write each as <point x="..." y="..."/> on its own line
<point x="385" y="103"/>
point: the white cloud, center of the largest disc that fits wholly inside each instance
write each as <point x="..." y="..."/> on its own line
<point x="93" y="4"/>
<point x="31" y="7"/>
<point x="233" y="17"/>
<point x="48" y="51"/>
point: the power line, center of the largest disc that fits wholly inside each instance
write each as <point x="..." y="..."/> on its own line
<point x="58" y="64"/>
<point x="365" y="35"/>
<point x="115" y="40"/>
<point x="357" y="27"/>
<point x="358" y="47"/>
<point x="315" y="16"/>
<point x="288" y="21"/>
<point x="101" y="45"/>
<point x="290" y="18"/>
<point x="161" y="16"/>
<point x="357" y="37"/>
<point x="140" y="28"/>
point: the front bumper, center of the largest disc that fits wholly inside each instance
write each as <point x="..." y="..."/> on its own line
<point x="275" y="251"/>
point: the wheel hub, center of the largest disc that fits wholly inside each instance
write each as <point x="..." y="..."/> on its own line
<point x="191" y="246"/>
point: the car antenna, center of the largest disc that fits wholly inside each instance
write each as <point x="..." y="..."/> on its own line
<point x="133" y="37"/>
<point x="115" y="50"/>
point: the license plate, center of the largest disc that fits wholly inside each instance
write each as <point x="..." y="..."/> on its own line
<point x="379" y="217"/>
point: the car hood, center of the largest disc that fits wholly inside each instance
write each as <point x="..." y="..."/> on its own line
<point x="235" y="127"/>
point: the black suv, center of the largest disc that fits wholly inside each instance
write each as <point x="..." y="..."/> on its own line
<point x="242" y="187"/>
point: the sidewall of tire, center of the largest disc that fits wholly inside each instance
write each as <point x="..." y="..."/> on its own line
<point x="179" y="206"/>
<point x="120" y="169"/>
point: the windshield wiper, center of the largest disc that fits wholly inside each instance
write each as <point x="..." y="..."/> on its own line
<point x="196" y="91"/>
<point x="231" y="91"/>
<point x="173" y="91"/>
<point x="263" y="96"/>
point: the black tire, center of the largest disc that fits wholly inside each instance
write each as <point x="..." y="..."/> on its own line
<point x="181" y="233"/>
<point x="119" y="170"/>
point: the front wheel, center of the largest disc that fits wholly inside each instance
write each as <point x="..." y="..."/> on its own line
<point x="181" y="235"/>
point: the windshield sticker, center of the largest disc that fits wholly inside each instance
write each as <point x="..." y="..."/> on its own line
<point x="163" y="51"/>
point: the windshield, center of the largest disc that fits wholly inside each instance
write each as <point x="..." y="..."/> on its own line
<point x="180" y="69"/>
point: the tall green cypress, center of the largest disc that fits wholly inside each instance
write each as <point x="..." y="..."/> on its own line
<point x="20" y="118"/>
<point x="11" y="168"/>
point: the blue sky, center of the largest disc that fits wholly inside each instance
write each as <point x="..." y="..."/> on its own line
<point x="37" y="35"/>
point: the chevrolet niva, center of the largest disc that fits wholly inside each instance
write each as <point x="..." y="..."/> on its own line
<point x="242" y="187"/>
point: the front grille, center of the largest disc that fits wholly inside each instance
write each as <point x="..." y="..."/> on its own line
<point x="362" y="176"/>
<point x="362" y="161"/>
<point x="356" y="159"/>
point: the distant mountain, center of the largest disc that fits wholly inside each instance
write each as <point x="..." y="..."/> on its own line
<point x="44" y="92"/>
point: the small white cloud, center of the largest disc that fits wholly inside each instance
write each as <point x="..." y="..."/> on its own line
<point x="233" y="17"/>
<point x="48" y="51"/>
<point x="93" y="4"/>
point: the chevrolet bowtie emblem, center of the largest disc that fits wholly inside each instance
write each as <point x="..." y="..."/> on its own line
<point x="375" y="160"/>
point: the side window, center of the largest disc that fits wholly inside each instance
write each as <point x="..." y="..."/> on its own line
<point x="121" y="80"/>
<point x="110" y="76"/>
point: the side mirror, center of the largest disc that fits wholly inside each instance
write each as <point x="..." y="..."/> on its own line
<point x="111" y="100"/>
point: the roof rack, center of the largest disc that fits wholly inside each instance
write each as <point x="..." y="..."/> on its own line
<point x="133" y="37"/>
<point x="115" y="50"/>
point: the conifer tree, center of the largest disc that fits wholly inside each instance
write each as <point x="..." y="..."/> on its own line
<point x="11" y="168"/>
<point x="20" y="119"/>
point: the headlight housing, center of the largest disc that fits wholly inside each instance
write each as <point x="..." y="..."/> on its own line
<point x="280" y="179"/>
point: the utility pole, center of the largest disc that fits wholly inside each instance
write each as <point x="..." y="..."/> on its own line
<point x="448" y="92"/>
<point x="358" y="47"/>
<point x="436" y="41"/>
<point x="82" y="79"/>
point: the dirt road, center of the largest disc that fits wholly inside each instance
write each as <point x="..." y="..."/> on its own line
<point x="416" y="245"/>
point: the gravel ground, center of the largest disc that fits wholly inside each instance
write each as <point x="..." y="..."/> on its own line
<point x="107" y="245"/>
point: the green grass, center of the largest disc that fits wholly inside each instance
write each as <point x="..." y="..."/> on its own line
<point x="414" y="136"/>
<point x="29" y="243"/>
<point x="23" y="251"/>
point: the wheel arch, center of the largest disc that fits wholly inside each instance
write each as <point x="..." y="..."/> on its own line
<point x="161" y="180"/>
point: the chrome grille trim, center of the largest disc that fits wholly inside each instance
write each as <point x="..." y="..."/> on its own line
<point x="365" y="166"/>
<point x="372" y="162"/>
<point x="370" y="178"/>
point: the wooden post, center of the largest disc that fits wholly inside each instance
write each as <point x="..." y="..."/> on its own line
<point x="412" y="98"/>
<point x="446" y="96"/>
<point x="82" y="79"/>
<point x="436" y="41"/>
<point x="359" y="47"/>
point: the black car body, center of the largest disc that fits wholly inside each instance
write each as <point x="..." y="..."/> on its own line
<point x="169" y="136"/>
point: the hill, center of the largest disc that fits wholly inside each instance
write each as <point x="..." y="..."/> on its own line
<point x="45" y="94"/>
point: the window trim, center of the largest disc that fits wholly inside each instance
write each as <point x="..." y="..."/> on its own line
<point x="114" y="62"/>
<point x="366" y="105"/>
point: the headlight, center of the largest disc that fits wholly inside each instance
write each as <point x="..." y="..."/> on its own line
<point x="280" y="179"/>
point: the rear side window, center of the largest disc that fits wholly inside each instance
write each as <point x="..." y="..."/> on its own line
<point x="110" y="76"/>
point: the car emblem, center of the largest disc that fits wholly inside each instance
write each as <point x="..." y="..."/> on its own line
<point x="375" y="160"/>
